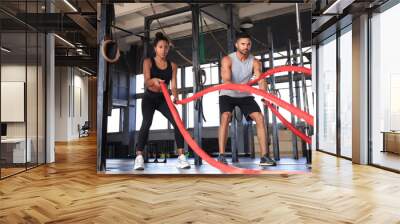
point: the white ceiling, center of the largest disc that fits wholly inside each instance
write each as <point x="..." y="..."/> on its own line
<point x="130" y="16"/>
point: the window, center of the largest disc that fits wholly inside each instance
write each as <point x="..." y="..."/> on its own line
<point x="280" y="54"/>
<point x="212" y="74"/>
<point x="211" y="109"/>
<point x="139" y="117"/>
<point x="179" y="109"/>
<point x="206" y="68"/>
<point x="215" y="74"/>
<point x="280" y="62"/>
<point x="159" y="121"/>
<point x="327" y="95"/>
<point x="346" y="94"/>
<point x="114" y="121"/>
<point x="385" y="86"/>
<point x="188" y="77"/>
<point x="190" y="112"/>
<point x="22" y="60"/>
<point x="178" y="78"/>
<point x="140" y="83"/>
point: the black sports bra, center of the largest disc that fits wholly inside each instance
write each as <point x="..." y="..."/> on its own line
<point x="164" y="74"/>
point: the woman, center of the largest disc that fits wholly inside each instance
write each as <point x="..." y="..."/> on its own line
<point x="156" y="70"/>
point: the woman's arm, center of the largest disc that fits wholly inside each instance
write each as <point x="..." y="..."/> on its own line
<point x="152" y="83"/>
<point x="174" y="81"/>
<point x="146" y="73"/>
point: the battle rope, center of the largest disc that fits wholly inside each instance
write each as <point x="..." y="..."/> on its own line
<point x="200" y="152"/>
<point x="245" y="88"/>
<point x="268" y="99"/>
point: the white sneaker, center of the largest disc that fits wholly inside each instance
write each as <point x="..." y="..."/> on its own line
<point x="182" y="162"/>
<point x="139" y="163"/>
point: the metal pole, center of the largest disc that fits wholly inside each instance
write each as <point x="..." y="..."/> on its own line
<point x="297" y="84"/>
<point x="338" y="96"/>
<point x="146" y="39"/>
<point x="266" y="111"/>
<point x="241" y="143"/>
<point x="293" y="120"/>
<point x="231" y="30"/>
<point x="298" y="104"/>
<point x="316" y="97"/>
<point x="251" y="141"/>
<point x="184" y="106"/>
<point x="299" y="38"/>
<point x="131" y="114"/>
<point x="303" y="80"/>
<point x="198" y="120"/>
<point x="233" y="129"/>
<point x="219" y="67"/>
<point x="246" y="138"/>
<point x="234" y="124"/>
<point x="275" y="137"/>
<point x="102" y="95"/>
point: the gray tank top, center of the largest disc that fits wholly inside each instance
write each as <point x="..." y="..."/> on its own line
<point x="242" y="72"/>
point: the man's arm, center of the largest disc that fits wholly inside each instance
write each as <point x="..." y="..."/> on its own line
<point x="226" y="72"/>
<point x="257" y="72"/>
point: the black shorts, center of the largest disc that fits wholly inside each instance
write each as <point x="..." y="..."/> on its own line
<point x="246" y="104"/>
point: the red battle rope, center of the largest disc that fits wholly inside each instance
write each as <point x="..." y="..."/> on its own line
<point x="270" y="99"/>
<point x="196" y="148"/>
<point x="288" y="68"/>
<point x="245" y="88"/>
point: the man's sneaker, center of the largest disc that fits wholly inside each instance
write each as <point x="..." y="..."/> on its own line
<point x="221" y="159"/>
<point x="267" y="161"/>
<point x="182" y="162"/>
<point x="139" y="163"/>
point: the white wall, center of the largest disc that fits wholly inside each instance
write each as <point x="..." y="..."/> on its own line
<point x="61" y="103"/>
<point x="71" y="102"/>
<point x="81" y="102"/>
<point x="14" y="73"/>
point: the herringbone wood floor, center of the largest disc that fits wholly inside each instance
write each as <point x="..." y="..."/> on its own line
<point x="70" y="191"/>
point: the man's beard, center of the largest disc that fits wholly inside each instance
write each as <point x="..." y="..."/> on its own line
<point x="244" y="52"/>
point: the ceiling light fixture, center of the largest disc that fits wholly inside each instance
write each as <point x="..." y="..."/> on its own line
<point x="246" y="25"/>
<point x="337" y="7"/>
<point x="70" y="5"/>
<point x="84" y="71"/>
<point x="65" y="41"/>
<point x="5" y="50"/>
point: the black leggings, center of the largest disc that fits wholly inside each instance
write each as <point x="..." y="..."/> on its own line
<point x="150" y="103"/>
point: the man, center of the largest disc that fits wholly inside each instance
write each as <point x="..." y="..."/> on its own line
<point x="239" y="67"/>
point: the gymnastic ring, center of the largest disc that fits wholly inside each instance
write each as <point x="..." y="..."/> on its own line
<point x="104" y="46"/>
